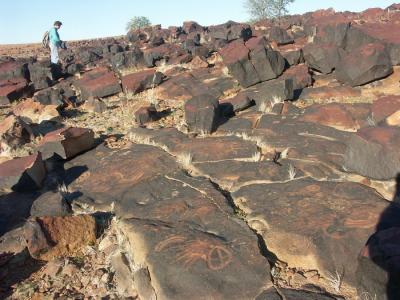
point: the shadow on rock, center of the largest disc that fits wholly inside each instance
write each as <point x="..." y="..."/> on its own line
<point x="379" y="262"/>
<point x="14" y="209"/>
<point x="15" y="269"/>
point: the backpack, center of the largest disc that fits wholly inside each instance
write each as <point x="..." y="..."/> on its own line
<point x="46" y="40"/>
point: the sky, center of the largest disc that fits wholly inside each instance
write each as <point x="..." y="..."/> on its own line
<point x="25" y="21"/>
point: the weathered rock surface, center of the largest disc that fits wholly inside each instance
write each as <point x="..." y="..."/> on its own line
<point x="364" y="65"/>
<point x="372" y="152"/>
<point x="43" y="74"/>
<point x="99" y="82"/>
<point x="323" y="58"/>
<point x="236" y="58"/>
<point x="252" y="62"/>
<point x="188" y="85"/>
<point x="53" y="237"/>
<point x="347" y="215"/>
<point x="22" y="174"/>
<point x="185" y="227"/>
<point x="36" y="113"/>
<point x="385" y="108"/>
<point x="67" y="142"/>
<point x="13" y="69"/>
<point x="14" y="89"/>
<point x="50" y="204"/>
<point x="202" y="113"/>
<point x="14" y="210"/>
<point x="140" y="81"/>
<point x="146" y="114"/>
<point x="14" y="131"/>
<point x="345" y="117"/>
<point x="272" y="189"/>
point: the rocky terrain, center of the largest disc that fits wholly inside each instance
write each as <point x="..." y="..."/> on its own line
<point x="232" y="161"/>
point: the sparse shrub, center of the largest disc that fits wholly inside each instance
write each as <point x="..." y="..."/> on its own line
<point x="137" y="23"/>
<point x="264" y="9"/>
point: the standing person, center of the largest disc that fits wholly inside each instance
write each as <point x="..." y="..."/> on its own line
<point x="55" y="42"/>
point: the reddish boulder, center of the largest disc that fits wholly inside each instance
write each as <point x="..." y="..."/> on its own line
<point x="364" y="65"/>
<point x="67" y="142"/>
<point x="190" y="26"/>
<point x="385" y="107"/>
<point x="198" y="62"/>
<point x="324" y="93"/>
<point x="95" y="105"/>
<point x="13" y="69"/>
<point x="373" y="152"/>
<point x="300" y="75"/>
<point x="271" y="92"/>
<point x="337" y="115"/>
<point x="146" y="114"/>
<point x="252" y="62"/>
<point x="99" y="82"/>
<point x="140" y="81"/>
<point x="14" y="89"/>
<point x="54" y="237"/>
<point x="236" y="58"/>
<point x="35" y="113"/>
<point x="188" y="85"/>
<point x="22" y="174"/>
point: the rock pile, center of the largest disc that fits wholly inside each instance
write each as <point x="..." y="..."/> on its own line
<point x="256" y="162"/>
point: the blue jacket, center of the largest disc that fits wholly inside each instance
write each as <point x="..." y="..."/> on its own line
<point x="54" y="37"/>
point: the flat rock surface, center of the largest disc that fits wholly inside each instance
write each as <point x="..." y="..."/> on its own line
<point x="285" y="215"/>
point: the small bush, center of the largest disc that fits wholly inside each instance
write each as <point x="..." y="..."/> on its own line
<point x="137" y="23"/>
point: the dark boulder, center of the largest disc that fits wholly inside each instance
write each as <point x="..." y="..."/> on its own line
<point x="240" y="102"/>
<point x="230" y="31"/>
<point x="50" y="204"/>
<point x="190" y="26"/>
<point x="13" y="69"/>
<point x="202" y="113"/>
<point x="132" y="58"/>
<point x="269" y="64"/>
<point x="50" y="96"/>
<point x="99" y="82"/>
<point x="146" y="114"/>
<point x="333" y="34"/>
<point x="364" y="65"/>
<point x="236" y="57"/>
<point x="322" y="57"/>
<point x="22" y="174"/>
<point x="67" y="142"/>
<point x="280" y="36"/>
<point x="14" y="89"/>
<point x="373" y="152"/>
<point x="142" y="80"/>
<point x="89" y="55"/>
<point x="43" y="74"/>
